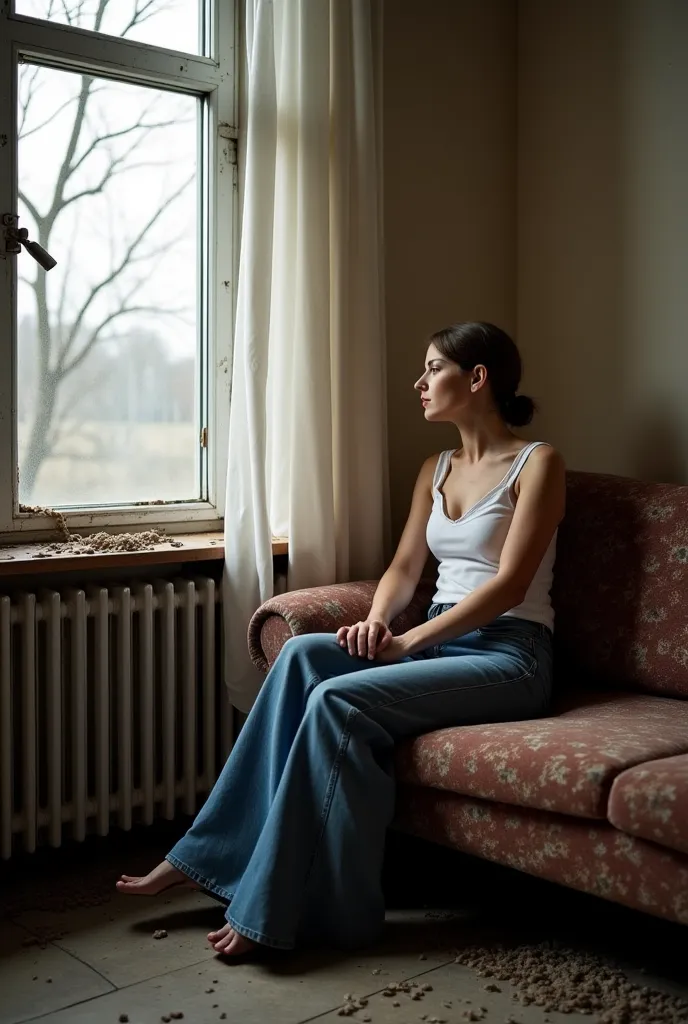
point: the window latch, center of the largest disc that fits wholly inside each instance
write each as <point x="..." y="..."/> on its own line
<point x="16" y="237"/>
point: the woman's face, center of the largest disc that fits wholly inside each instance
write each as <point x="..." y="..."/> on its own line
<point x="444" y="387"/>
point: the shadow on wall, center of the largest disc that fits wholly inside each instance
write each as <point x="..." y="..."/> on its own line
<point x="659" y="450"/>
<point x="603" y="230"/>
<point x="572" y="285"/>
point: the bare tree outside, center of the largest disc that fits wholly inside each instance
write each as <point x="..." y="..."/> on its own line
<point x="107" y="340"/>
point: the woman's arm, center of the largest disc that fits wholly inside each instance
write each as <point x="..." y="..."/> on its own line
<point x="398" y="585"/>
<point x="539" y="510"/>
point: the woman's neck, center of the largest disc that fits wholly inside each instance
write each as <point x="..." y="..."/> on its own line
<point x="484" y="438"/>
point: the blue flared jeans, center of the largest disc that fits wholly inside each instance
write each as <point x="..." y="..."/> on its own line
<point x="292" y="835"/>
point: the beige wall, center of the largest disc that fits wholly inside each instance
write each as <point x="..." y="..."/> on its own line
<point x="603" y="230"/>
<point x="536" y="174"/>
<point x="450" y="210"/>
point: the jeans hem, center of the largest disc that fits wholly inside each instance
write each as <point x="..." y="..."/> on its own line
<point x="217" y="890"/>
<point x="254" y="936"/>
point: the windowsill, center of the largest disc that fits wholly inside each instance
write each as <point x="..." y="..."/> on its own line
<point x="25" y="559"/>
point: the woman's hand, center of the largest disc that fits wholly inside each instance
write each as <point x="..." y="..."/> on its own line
<point x="396" y="650"/>
<point x="365" y="639"/>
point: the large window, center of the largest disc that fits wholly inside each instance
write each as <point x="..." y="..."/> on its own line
<point x="120" y="162"/>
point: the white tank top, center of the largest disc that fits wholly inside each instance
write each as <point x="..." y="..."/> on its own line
<point x="468" y="549"/>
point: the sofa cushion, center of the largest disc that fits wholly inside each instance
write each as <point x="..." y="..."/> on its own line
<point x="620" y="580"/>
<point x="590" y="856"/>
<point x="651" y="801"/>
<point x="565" y="763"/>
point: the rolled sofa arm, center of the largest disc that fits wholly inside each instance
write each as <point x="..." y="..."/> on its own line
<point x="323" y="610"/>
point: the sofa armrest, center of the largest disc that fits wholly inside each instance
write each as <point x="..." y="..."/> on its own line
<point x="323" y="610"/>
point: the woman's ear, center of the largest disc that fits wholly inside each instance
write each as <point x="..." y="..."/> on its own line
<point x="479" y="377"/>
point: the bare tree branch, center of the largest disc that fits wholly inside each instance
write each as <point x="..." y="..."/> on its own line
<point x="64" y="172"/>
<point x="142" y="12"/>
<point x="96" y="333"/>
<point x="115" y="162"/>
<point x="65" y="279"/>
<point x="145" y="256"/>
<point x="30" y="207"/>
<point x="115" y="273"/>
<point x="48" y="120"/>
<point x="29" y="79"/>
<point x="100" y="13"/>
<point x="68" y="13"/>
<point x="124" y="300"/>
<point x="107" y="136"/>
<point x="75" y="398"/>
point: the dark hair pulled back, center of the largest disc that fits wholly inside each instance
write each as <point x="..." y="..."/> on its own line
<point x="476" y="343"/>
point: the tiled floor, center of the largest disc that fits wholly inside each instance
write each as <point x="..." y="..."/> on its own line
<point x="74" y="951"/>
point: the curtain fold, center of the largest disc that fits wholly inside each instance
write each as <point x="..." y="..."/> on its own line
<point x="307" y="441"/>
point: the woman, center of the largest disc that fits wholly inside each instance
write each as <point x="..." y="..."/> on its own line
<point x="292" y="835"/>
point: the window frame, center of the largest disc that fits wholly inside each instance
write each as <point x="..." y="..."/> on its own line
<point x="215" y="78"/>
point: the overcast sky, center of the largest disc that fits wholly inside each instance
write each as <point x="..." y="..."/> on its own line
<point x="92" y="234"/>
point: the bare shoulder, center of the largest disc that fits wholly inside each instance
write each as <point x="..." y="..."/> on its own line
<point x="546" y="459"/>
<point x="427" y="473"/>
<point x="430" y="464"/>
<point x="544" y="468"/>
<point x="427" y="470"/>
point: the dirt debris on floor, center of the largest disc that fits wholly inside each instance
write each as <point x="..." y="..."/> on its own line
<point x="568" y="981"/>
<point x="555" y="979"/>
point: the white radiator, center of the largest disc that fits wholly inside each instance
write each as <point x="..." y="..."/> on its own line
<point x="111" y="709"/>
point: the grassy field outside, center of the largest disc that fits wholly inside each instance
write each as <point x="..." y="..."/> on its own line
<point x="106" y="462"/>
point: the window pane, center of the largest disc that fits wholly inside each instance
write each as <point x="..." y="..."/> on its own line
<point x="107" y="340"/>
<point x="173" y="24"/>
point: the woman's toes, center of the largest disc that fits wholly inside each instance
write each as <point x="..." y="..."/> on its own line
<point x="239" y="945"/>
<point x="220" y="940"/>
<point x="228" y="942"/>
<point x="127" y="884"/>
<point x="162" y="877"/>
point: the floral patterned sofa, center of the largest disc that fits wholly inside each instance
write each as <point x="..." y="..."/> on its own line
<point x="595" y="795"/>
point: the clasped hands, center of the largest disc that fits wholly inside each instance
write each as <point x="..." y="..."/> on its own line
<point x="372" y="640"/>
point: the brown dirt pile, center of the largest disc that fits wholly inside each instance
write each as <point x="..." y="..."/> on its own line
<point x="569" y="981"/>
<point x="97" y="543"/>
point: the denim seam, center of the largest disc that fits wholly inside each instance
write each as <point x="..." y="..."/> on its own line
<point x="311" y="678"/>
<point x="331" y="784"/>
<point x="198" y="877"/>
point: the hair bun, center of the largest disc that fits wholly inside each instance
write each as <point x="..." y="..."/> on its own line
<point x="519" y="410"/>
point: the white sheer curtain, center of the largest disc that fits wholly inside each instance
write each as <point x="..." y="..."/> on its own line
<point x="307" y="443"/>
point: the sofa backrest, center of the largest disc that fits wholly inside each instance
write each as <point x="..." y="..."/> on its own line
<point x="621" y="585"/>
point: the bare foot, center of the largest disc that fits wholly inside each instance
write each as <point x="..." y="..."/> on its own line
<point x="163" y="877"/>
<point x="230" y="943"/>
